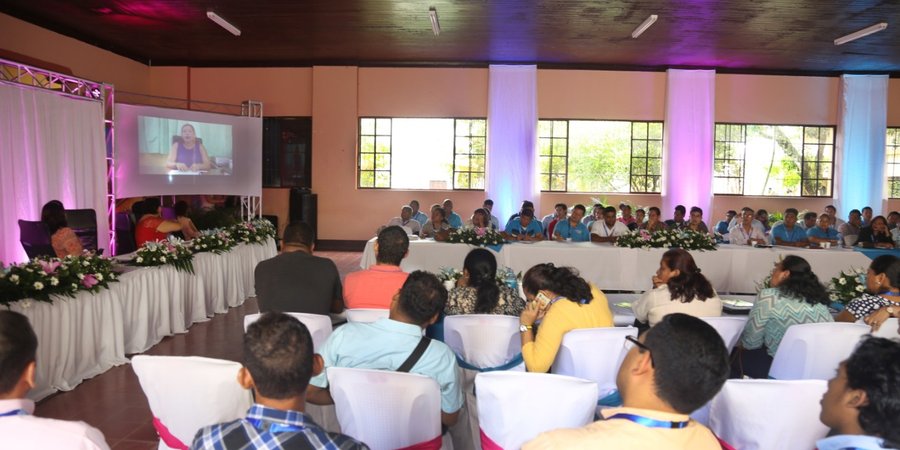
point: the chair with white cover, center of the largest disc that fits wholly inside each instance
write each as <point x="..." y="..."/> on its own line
<point x="387" y="410"/>
<point x="813" y="350"/>
<point x="729" y="327"/>
<point x="366" y="315"/>
<point x="186" y="393"/>
<point x="319" y="325"/>
<point x="888" y="329"/>
<point x="510" y="417"/>
<point x="769" y="414"/>
<point x="593" y="354"/>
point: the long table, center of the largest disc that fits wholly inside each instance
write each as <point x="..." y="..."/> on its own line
<point x="731" y="268"/>
<point x="82" y="337"/>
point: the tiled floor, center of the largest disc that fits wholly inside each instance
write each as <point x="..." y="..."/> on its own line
<point x="114" y="402"/>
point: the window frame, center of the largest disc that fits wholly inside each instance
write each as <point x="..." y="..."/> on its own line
<point x="889" y="165"/>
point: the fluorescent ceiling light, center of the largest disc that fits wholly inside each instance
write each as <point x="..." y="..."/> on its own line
<point x="861" y="33"/>
<point x="223" y="23"/>
<point x="435" y="24"/>
<point x="643" y="27"/>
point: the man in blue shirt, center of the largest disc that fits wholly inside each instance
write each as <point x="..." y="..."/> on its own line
<point x="788" y="233"/>
<point x="572" y="229"/>
<point x="417" y="215"/>
<point x="524" y="228"/>
<point x="861" y="404"/>
<point x="809" y="220"/>
<point x="823" y="232"/>
<point x="278" y="362"/>
<point x="453" y="218"/>
<point x="722" y="226"/>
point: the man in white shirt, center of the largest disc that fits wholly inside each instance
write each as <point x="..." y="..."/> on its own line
<point x="608" y="229"/>
<point x="489" y="206"/>
<point x="19" y="429"/>
<point x="739" y="218"/>
<point x="405" y="221"/>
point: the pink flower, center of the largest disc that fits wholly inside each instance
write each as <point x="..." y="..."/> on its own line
<point x="49" y="267"/>
<point x="480" y="231"/>
<point x="89" y="281"/>
<point x="645" y="235"/>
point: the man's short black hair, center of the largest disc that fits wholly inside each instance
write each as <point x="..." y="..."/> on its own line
<point x="791" y="210"/>
<point x="527" y="204"/>
<point x="761" y="211"/>
<point x="731" y="212"/>
<point x="560" y="205"/>
<point x="18" y="348"/>
<point x="690" y="361"/>
<point x="867" y="207"/>
<point x="874" y="367"/>
<point x="527" y="212"/>
<point x="609" y="209"/>
<point x="893" y="213"/>
<point x="278" y="352"/>
<point x="299" y="233"/>
<point x="696" y="209"/>
<point x="488" y="202"/>
<point x="392" y="245"/>
<point x="422" y="296"/>
<point x="579" y="206"/>
<point x="810" y="215"/>
<point x="854" y="211"/>
<point x="680" y="208"/>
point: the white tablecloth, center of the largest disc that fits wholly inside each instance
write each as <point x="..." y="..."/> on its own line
<point x="83" y="337"/>
<point x="734" y="269"/>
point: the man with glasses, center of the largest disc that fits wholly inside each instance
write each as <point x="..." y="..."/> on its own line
<point x="670" y="371"/>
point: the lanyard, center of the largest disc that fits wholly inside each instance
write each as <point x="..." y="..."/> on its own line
<point x="15" y="412"/>
<point x="891" y="293"/>
<point x="648" y="422"/>
<point x="275" y="428"/>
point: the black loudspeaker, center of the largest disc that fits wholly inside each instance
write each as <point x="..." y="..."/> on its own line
<point x="304" y="207"/>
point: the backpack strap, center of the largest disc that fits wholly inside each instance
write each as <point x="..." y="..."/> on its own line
<point x="415" y="355"/>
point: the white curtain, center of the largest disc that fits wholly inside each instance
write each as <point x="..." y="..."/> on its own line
<point x="688" y="141"/>
<point x="51" y="147"/>
<point x="859" y="156"/>
<point x="512" y="135"/>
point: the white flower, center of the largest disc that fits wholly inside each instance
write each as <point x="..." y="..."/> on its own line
<point x="842" y="281"/>
<point x="80" y="276"/>
<point x="85" y="264"/>
<point x="139" y="260"/>
<point x="833" y="297"/>
<point x="860" y="288"/>
<point x="38" y="285"/>
<point x="162" y="259"/>
<point x="54" y="281"/>
<point x="112" y="275"/>
<point x="98" y="276"/>
<point x="14" y="278"/>
<point x="204" y="245"/>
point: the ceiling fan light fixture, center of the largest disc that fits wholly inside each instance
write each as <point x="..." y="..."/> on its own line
<point x="861" y="33"/>
<point x="643" y="26"/>
<point x="435" y="23"/>
<point x="223" y="23"/>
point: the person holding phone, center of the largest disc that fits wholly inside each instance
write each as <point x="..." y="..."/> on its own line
<point x="562" y="301"/>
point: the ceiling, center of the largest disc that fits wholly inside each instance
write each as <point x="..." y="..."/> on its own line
<point x="753" y="36"/>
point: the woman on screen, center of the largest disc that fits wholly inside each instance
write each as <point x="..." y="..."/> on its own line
<point x="188" y="153"/>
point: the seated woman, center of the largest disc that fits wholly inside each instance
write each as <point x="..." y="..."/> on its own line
<point x="795" y="297"/>
<point x="437" y="228"/>
<point x="678" y="286"/>
<point x="653" y="223"/>
<point x="481" y="220"/>
<point x="62" y="238"/>
<point x="188" y="153"/>
<point x="876" y="234"/>
<point x="564" y="302"/>
<point x="187" y="225"/>
<point x="477" y="291"/>
<point x="882" y="299"/>
<point x="151" y="226"/>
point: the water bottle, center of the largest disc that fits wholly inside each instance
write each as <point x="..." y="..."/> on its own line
<point x="510" y="279"/>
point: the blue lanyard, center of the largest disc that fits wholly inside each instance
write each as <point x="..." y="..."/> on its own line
<point x="893" y="294"/>
<point x="276" y="428"/>
<point x="15" y="412"/>
<point x="648" y="422"/>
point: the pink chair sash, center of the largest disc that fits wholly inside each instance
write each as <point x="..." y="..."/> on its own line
<point x="487" y="443"/>
<point x="434" y="444"/>
<point x="167" y="437"/>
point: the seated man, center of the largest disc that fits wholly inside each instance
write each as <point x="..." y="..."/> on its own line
<point x="696" y="223"/>
<point x="678" y="220"/>
<point x="762" y="216"/>
<point x="388" y="343"/>
<point x="836" y="221"/>
<point x="722" y="226"/>
<point x="559" y="214"/>
<point x="297" y="281"/>
<point x="417" y="215"/>
<point x="867" y="216"/>
<point x="892" y="219"/>
<point x="608" y="229"/>
<point x="824" y="232"/>
<point x="406" y="221"/>
<point x="452" y="218"/>
<point x="862" y="403"/>
<point x="437" y="228"/>
<point x="639" y="217"/>
<point x="526" y="204"/>
<point x="375" y="287"/>
<point x="489" y="206"/>
<point x="739" y="218"/>
<point x="596" y="215"/>
<point x="572" y="228"/>
<point x="809" y="220"/>
<point x="19" y="429"/>
<point x="745" y="233"/>
<point x="524" y="228"/>
<point x="852" y="226"/>
<point x="627" y="218"/>
<point x="671" y="370"/>
<point x="278" y="362"/>
<point x="788" y="233"/>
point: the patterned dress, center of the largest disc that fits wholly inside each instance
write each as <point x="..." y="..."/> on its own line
<point x="771" y="316"/>
<point x="462" y="301"/>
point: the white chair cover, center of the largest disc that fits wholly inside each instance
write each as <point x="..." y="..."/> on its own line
<point x="888" y="329"/>
<point x="186" y="393"/>
<point x="730" y="328"/>
<point x="366" y="315"/>
<point x="386" y="410"/>
<point x="769" y="414"/>
<point x="483" y="340"/>
<point x="515" y="407"/>
<point x="319" y="325"/>
<point x="593" y="354"/>
<point x="813" y="350"/>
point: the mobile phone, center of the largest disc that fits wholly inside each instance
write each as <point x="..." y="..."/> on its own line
<point x="542" y="299"/>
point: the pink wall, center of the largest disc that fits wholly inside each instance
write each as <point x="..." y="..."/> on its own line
<point x="777" y="99"/>
<point x="283" y="91"/>
<point x="893" y="116"/>
<point x="423" y="92"/>
<point x="591" y="94"/>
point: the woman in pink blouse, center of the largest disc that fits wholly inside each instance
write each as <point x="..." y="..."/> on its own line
<point x="63" y="239"/>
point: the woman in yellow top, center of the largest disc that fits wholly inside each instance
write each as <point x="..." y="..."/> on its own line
<point x="564" y="302"/>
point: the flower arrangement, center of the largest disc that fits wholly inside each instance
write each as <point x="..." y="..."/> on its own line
<point x="449" y="276"/>
<point x="847" y="286"/>
<point x="44" y="277"/>
<point x="476" y="236"/>
<point x="173" y="251"/>
<point x="216" y="241"/>
<point x="681" y="238"/>
<point x="256" y="231"/>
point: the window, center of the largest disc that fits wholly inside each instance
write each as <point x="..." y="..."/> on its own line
<point x="773" y="160"/>
<point x="892" y="156"/>
<point x="600" y="156"/>
<point x="408" y="153"/>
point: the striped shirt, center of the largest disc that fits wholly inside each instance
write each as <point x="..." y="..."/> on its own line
<point x="771" y="316"/>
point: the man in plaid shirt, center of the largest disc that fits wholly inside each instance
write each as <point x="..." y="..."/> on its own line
<point x="278" y="363"/>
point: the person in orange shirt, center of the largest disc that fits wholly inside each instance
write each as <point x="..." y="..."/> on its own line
<point x="376" y="286"/>
<point x="63" y="239"/>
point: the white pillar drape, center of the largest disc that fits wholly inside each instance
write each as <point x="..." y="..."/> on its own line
<point x="51" y="147"/>
<point x="859" y="156"/>
<point x="688" y="141"/>
<point x="512" y="136"/>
